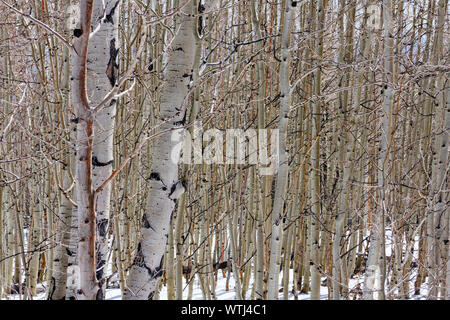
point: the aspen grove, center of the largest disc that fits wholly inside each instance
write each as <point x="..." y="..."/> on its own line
<point x="224" y="149"/>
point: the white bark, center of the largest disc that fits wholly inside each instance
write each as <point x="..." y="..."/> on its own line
<point x="315" y="190"/>
<point x="89" y="287"/>
<point x="438" y="212"/>
<point x="444" y="172"/>
<point x="102" y="76"/>
<point x="376" y="259"/>
<point x="58" y="282"/>
<point x="259" y="213"/>
<point x="281" y="182"/>
<point x="147" y="265"/>
<point x="33" y="242"/>
<point x="345" y="150"/>
<point x="72" y="260"/>
<point x="57" y="286"/>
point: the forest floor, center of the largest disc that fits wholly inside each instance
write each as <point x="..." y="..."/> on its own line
<point x="355" y="285"/>
<point x="223" y="294"/>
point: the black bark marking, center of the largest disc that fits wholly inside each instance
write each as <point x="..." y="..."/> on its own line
<point x="146" y="223"/>
<point x="155" y="176"/>
<point x="182" y="122"/>
<point x="69" y="253"/>
<point x="109" y="17"/>
<point x="172" y="188"/>
<point x="52" y="288"/>
<point x="77" y="32"/>
<point x="100" y="295"/>
<point x="139" y="258"/>
<point x="102" y="226"/>
<point x="97" y="163"/>
<point x="112" y="68"/>
<point x="100" y="271"/>
<point x="159" y="269"/>
<point x="150" y="66"/>
<point x="201" y="9"/>
<point x="139" y="261"/>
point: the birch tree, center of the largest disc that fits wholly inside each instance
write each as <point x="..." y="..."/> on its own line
<point x="280" y="187"/>
<point x="164" y="186"/>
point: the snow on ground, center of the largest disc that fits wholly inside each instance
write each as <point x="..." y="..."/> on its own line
<point x="223" y="294"/>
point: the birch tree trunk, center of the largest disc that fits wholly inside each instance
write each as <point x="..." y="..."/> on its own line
<point x="315" y="158"/>
<point x="282" y="176"/>
<point x="147" y="265"/>
<point x="33" y="241"/>
<point x="89" y="287"/>
<point x="345" y="149"/>
<point x="439" y="174"/>
<point x="376" y="264"/>
<point x="57" y="286"/>
<point x="102" y="77"/>
<point x="446" y="218"/>
<point x="72" y="260"/>
<point x="259" y="214"/>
